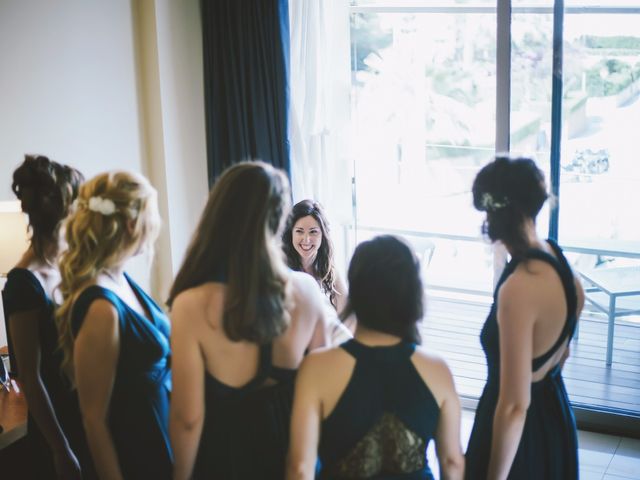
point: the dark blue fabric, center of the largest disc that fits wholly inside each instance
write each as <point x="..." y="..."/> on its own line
<point x="549" y="447"/>
<point x="246" y="430"/>
<point x="139" y="407"/>
<point x="246" y="64"/>
<point x="23" y="292"/>
<point x="384" y="380"/>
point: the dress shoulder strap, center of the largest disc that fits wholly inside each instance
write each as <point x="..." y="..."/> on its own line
<point x="561" y="266"/>
<point x="84" y="301"/>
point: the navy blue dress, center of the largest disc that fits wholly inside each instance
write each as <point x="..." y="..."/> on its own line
<point x="23" y="292"/>
<point x="549" y="447"/>
<point x="246" y="430"/>
<point x="384" y="420"/>
<point x="139" y="407"/>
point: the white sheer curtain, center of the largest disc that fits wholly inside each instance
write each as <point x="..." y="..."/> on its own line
<point x="320" y="82"/>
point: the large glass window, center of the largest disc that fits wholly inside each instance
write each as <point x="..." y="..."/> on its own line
<point x="599" y="198"/>
<point x="600" y="163"/>
<point x="424" y="107"/>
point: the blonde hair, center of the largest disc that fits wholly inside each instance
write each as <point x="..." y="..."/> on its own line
<point x="116" y="217"/>
<point x="238" y="239"/>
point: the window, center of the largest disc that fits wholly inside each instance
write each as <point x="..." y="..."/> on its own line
<point x="426" y="118"/>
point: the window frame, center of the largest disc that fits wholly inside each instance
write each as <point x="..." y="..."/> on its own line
<point x="590" y="417"/>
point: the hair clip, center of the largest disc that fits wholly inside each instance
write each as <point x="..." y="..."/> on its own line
<point x="102" y="205"/>
<point x="491" y="204"/>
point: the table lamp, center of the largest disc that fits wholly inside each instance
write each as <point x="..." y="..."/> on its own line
<point x="13" y="243"/>
<point x="13" y="235"/>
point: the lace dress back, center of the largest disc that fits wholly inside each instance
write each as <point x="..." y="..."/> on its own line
<point x="384" y="420"/>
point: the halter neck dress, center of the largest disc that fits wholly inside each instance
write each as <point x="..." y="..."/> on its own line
<point x="139" y="407"/>
<point x="384" y="420"/>
<point x="548" y="447"/>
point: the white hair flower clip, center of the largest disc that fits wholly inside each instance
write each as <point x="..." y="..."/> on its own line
<point x="489" y="203"/>
<point x="105" y="206"/>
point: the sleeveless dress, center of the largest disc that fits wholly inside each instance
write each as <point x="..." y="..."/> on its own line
<point x="139" y="406"/>
<point x="548" y="447"/>
<point x="23" y="292"/>
<point x="245" y="434"/>
<point x="384" y="420"/>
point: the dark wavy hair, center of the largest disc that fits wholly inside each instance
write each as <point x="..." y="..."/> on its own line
<point x="46" y="190"/>
<point x="238" y="238"/>
<point x="510" y="190"/>
<point x="385" y="287"/>
<point x="323" y="266"/>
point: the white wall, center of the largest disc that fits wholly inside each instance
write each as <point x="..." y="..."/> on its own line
<point x="183" y="117"/>
<point x="172" y="95"/>
<point x="110" y="84"/>
<point x="68" y="85"/>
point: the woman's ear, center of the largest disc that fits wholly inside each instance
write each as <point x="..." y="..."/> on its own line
<point x="131" y="226"/>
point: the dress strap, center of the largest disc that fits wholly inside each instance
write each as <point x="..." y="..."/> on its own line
<point x="84" y="301"/>
<point x="568" y="280"/>
<point x="264" y="365"/>
<point x="23" y="291"/>
<point x="563" y="269"/>
<point x="267" y="369"/>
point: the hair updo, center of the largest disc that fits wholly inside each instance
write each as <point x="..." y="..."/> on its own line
<point x="46" y="190"/>
<point x="510" y="190"/>
<point x="117" y="217"/>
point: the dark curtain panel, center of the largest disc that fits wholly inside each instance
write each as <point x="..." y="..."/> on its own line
<point x="246" y="63"/>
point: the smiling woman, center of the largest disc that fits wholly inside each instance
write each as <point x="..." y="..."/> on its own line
<point x="307" y="238"/>
<point x="308" y="248"/>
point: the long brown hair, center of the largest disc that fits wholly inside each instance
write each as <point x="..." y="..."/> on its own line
<point x="237" y="239"/>
<point x="323" y="267"/>
<point x="100" y="238"/>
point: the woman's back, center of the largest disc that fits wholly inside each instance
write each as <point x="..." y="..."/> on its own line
<point x="248" y="388"/>
<point x="30" y="290"/>
<point x="235" y="363"/>
<point x="542" y="285"/>
<point x="381" y="413"/>
<point x="139" y="394"/>
<point x="379" y="401"/>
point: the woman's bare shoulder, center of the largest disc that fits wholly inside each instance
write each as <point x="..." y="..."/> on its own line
<point x="204" y="302"/>
<point x="529" y="281"/>
<point x="324" y="361"/>
<point x="430" y="362"/>
<point x="436" y="374"/>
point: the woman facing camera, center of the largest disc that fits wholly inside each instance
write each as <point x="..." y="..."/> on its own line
<point x="308" y="248"/>
<point x="369" y="408"/>
<point x="114" y="337"/>
<point x="524" y="425"/>
<point x="46" y="190"/>
<point x="242" y="322"/>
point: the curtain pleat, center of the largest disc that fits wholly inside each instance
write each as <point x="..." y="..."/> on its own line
<point x="246" y="63"/>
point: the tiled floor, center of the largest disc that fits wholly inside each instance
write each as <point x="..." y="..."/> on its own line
<point x="602" y="457"/>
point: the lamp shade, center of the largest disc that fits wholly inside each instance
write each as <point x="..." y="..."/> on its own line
<point x="13" y="235"/>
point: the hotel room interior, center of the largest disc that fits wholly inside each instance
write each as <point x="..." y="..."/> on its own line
<point x="383" y="110"/>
